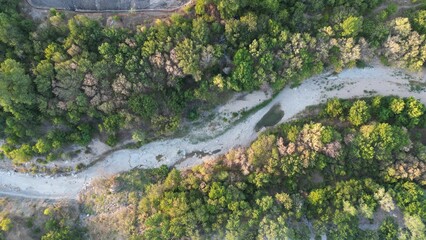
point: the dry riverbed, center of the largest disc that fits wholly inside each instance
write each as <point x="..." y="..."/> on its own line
<point x="185" y="152"/>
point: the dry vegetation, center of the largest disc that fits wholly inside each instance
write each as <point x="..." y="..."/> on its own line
<point x="110" y="205"/>
<point x="28" y="217"/>
<point x="109" y="213"/>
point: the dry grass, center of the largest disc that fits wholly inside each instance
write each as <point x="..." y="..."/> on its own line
<point x="28" y="218"/>
<point x="109" y="214"/>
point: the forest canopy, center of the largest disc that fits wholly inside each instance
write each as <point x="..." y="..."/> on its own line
<point x="358" y="163"/>
<point x="70" y="78"/>
<point x="323" y="174"/>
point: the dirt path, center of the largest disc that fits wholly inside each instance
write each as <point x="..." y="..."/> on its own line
<point x="401" y="5"/>
<point x="102" y="6"/>
<point x="350" y="83"/>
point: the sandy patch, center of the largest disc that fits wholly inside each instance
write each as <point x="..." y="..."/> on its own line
<point x="227" y="115"/>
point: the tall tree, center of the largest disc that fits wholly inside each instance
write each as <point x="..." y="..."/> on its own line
<point x="15" y="87"/>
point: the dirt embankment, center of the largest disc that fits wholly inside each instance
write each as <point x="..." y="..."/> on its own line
<point x="109" y="5"/>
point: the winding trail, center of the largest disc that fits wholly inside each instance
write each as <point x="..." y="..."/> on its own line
<point x="348" y="84"/>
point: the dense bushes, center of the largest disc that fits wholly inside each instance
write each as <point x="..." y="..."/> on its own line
<point x="58" y="225"/>
<point x="322" y="169"/>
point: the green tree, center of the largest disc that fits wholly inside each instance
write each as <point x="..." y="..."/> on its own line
<point x="44" y="72"/>
<point x="359" y="113"/>
<point x="260" y="150"/>
<point x="351" y="26"/>
<point x="397" y="105"/>
<point x="242" y="77"/>
<point x="144" y="105"/>
<point x="200" y="6"/>
<point x="187" y="54"/>
<point x="200" y="31"/>
<point x="346" y="227"/>
<point x="334" y="108"/>
<point x="165" y="125"/>
<point x="22" y="154"/>
<point x="42" y="146"/>
<point x="83" y="32"/>
<point x="415" y="107"/>
<point x="411" y="198"/>
<point x="139" y="136"/>
<point x="419" y="21"/>
<point x="14" y="29"/>
<point x="275" y="228"/>
<point x="229" y="9"/>
<point x="111" y="124"/>
<point x="375" y="31"/>
<point x="15" y="87"/>
<point x="271" y="5"/>
<point x="388" y="230"/>
<point x="416" y="226"/>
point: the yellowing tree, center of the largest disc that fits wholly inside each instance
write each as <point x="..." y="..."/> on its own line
<point x="351" y="26"/>
<point x="359" y="113"/>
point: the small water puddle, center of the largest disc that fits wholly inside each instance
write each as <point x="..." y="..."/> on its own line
<point x="272" y="117"/>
